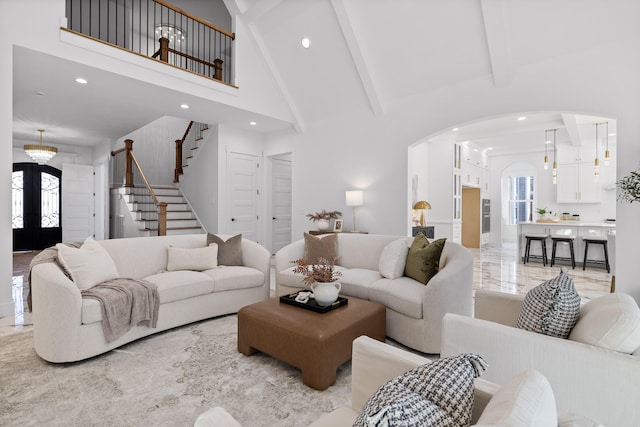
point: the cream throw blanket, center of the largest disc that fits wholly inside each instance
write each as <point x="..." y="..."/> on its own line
<point x="125" y="302"/>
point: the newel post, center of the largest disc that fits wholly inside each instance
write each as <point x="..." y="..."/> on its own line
<point x="128" y="163"/>
<point x="178" y="171"/>
<point x="162" y="219"/>
<point x="164" y="49"/>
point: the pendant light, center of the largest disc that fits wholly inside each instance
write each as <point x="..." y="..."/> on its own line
<point x="546" y="158"/>
<point x="596" y="169"/>
<point x="555" y="165"/>
<point x="606" y="153"/>
<point x="40" y="153"/>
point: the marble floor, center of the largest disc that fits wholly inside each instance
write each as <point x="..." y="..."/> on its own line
<point x="495" y="268"/>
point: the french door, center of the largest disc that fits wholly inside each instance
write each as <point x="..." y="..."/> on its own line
<point x="36" y="205"/>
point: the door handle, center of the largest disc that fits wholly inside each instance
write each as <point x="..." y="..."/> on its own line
<point x="274" y="218"/>
<point x="233" y="219"/>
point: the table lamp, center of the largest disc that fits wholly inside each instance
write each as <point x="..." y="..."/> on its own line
<point x="422" y="205"/>
<point x="354" y="198"/>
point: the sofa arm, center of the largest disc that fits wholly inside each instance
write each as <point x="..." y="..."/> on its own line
<point x="284" y="257"/>
<point x="497" y="307"/>
<point x="256" y="256"/>
<point x="373" y="364"/>
<point x="578" y="373"/>
<point x="57" y="313"/>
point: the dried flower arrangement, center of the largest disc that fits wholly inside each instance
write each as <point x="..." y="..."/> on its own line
<point x="322" y="272"/>
<point x="324" y="215"/>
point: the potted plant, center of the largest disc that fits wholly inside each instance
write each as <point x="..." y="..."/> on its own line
<point x="321" y="278"/>
<point x="323" y="217"/>
<point x="542" y="212"/>
<point x="629" y="187"/>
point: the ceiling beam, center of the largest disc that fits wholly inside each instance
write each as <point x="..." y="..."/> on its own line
<point x="497" y="42"/>
<point x="571" y="126"/>
<point x="357" y="56"/>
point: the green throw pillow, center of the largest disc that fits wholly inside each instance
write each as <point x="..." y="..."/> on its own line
<point x="423" y="259"/>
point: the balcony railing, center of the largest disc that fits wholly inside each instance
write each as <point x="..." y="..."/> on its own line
<point x="156" y="29"/>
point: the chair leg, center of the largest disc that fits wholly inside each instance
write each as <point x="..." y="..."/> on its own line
<point x="553" y="252"/>
<point x="573" y="257"/>
<point x="526" y="251"/>
<point x="543" y="243"/>
<point x="606" y="257"/>
<point x="586" y="249"/>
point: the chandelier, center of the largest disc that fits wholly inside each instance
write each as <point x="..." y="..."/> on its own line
<point x="40" y="153"/>
<point x="169" y="31"/>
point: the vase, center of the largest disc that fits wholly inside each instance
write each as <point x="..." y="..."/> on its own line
<point x="322" y="224"/>
<point x="326" y="293"/>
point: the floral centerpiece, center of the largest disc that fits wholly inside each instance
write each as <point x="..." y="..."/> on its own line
<point x="321" y="278"/>
<point x="323" y="217"/>
<point x="323" y="272"/>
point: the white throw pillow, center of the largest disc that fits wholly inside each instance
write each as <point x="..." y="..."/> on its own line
<point x="525" y="400"/>
<point x="611" y="321"/>
<point x="196" y="259"/>
<point x="88" y="265"/>
<point x="393" y="259"/>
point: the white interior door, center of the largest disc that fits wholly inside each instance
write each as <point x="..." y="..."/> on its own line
<point x="78" y="205"/>
<point x="280" y="204"/>
<point x="244" y="194"/>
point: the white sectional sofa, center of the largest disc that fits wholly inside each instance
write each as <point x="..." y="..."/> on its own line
<point x="414" y="310"/>
<point x="68" y="328"/>
<point x="599" y="383"/>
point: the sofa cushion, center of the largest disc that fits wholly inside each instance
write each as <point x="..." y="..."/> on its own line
<point x="393" y="259"/>
<point x="181" y="284"/>
<point x="229" y="251"/>
<point x="440" y="393"/>
<point x="611" y="321"/>
<point x="525" y="400"/>
<point x="356" y="282"/>
<point x="315" y="247"/>
<point x="235" y="277"/>
<point x="196" y="259"/>
<point x="551" y="308"/>
<point x="423" y="258"/>
<point x="403" y="295"/>
<point x="88" y="265"/>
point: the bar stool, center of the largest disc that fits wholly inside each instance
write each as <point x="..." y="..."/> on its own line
<point x="562" y="236"/>
<point x="596" y="238"/>
<point x="542" y="238"/>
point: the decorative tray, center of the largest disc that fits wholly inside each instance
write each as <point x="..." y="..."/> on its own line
<point x="312" y="304"/>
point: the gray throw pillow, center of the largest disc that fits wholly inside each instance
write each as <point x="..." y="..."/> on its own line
<point x="439" y="394"/>
<point x="229" y="251"/>
<point x="551" y="308"/>
<point x="320" y="247"/>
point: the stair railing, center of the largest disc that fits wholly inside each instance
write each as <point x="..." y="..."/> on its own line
<point x="126" y="172"/>
<point x="185" y="147"/>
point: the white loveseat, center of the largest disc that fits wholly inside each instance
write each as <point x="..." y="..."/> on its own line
<point x="414" y="311"/>
<point x="599" y="383"/>
<point x="68" y="328"/>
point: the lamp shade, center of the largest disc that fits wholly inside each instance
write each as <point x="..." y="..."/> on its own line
<point x="354" y="197"/>
<point x="422" y="205"/>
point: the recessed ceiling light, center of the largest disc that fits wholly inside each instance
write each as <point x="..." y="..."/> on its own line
<point x="306" y="43"/>
<point x="252" y="123"/>
<point x="455" y="129"/>
<point x="81" y="81"/>
<point x="522" y="118"/>
<point x="184" y="106"/>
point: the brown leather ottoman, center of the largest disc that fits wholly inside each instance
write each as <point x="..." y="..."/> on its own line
<point x="316" y="343"/>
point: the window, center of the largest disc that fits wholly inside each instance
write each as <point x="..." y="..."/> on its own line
<point x="17" y="199"/>
<point x="521" y="192"/>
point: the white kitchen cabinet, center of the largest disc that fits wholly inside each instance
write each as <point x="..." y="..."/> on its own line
<point x="576" y="184"/>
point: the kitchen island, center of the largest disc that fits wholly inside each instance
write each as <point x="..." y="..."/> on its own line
<point x="579" y="230"/>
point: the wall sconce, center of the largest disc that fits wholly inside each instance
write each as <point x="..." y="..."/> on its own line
<point x="422" y="205"/>
<point x="354" y="198"/>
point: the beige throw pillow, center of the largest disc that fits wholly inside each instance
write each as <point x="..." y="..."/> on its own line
<point x="393" y="258"/>
<point x="88" y="265"/>
<point x="316" y="247"/>
<point x="229" y="251"/>
<point x="195" y="259"/>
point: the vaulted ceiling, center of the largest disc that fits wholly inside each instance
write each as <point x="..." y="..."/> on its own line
<point x="373" y="54"/>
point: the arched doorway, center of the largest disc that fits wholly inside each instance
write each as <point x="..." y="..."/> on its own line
<point x="36" y="206"/>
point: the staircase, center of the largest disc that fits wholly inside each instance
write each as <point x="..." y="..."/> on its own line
<point x="180" y="218"/>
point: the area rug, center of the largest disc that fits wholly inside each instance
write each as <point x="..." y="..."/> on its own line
<point x="166" y="379"/>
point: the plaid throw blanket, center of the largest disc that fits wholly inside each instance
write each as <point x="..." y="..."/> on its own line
<point x="125" y="302"/>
